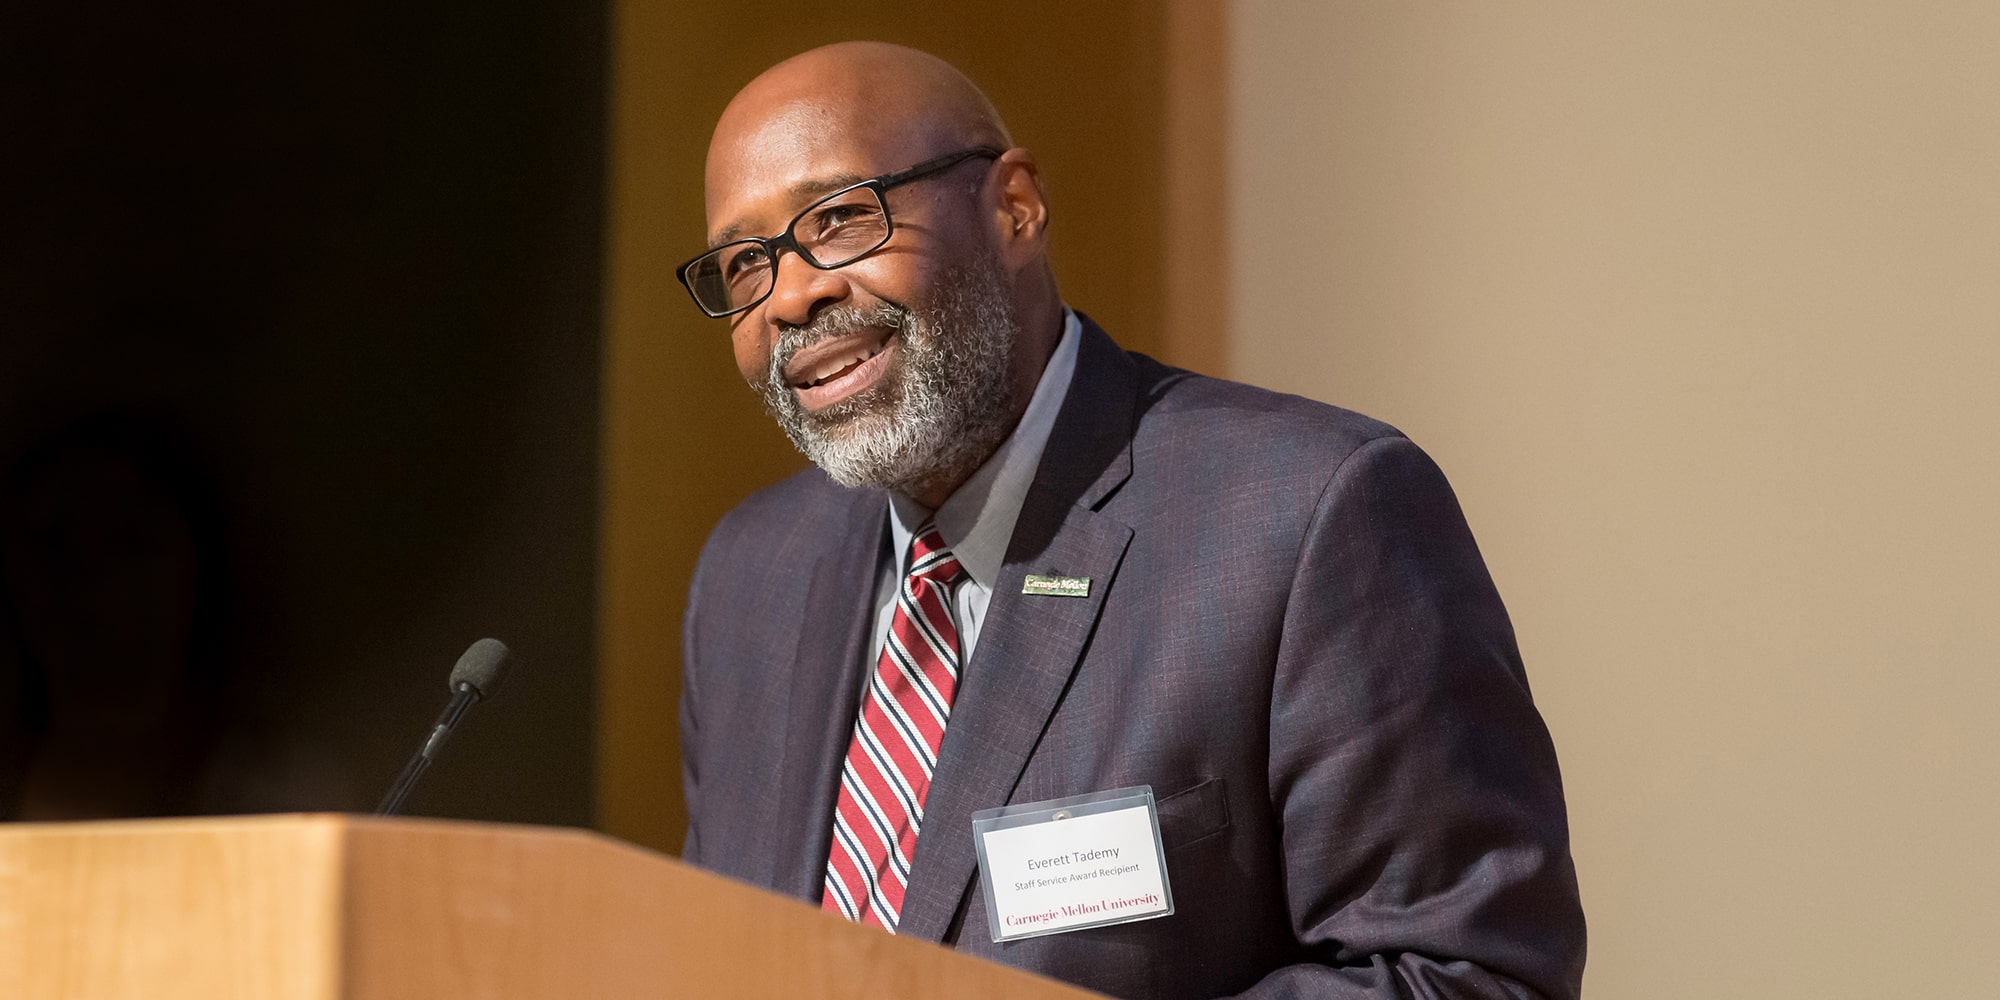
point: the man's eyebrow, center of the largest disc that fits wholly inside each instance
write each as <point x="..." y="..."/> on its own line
<point x="802" y="193"/>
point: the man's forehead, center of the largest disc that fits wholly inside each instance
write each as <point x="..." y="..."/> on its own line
<point x="775" y="163"/>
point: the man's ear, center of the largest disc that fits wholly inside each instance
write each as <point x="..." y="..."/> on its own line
<point x="1021" y="208"/>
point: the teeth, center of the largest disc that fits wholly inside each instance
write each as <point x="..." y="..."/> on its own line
<point x="832" y="366"/>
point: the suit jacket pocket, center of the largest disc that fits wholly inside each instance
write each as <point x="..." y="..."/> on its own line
<point x="1193" y="814"/>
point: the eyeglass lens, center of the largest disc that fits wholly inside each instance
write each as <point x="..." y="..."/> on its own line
<point x="835" y="231"/>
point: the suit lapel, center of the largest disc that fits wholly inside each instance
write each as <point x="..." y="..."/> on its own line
<point x="1029" y="646"/>
<point x="833" y="623"/>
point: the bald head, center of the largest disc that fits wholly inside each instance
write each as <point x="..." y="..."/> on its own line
<point x="895" y="102"/>
<point x="905" y="365"/>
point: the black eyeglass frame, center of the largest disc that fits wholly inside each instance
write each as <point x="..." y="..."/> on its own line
<point x="787" y="241"/>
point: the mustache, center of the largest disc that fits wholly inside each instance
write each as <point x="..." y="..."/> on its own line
<point x="839" y="321"/>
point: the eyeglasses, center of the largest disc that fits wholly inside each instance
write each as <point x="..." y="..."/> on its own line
<point x="836" y="230"/>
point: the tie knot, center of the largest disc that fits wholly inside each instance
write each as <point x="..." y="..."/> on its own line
<point x="931" y="558"/>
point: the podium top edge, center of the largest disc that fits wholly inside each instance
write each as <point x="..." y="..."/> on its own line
<point x="291" y="822"/>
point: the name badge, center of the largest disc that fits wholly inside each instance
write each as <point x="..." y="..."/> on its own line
<point x="1067" y="864"/>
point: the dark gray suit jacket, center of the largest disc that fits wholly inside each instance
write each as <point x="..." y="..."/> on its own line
<point x="1290" y="636"/>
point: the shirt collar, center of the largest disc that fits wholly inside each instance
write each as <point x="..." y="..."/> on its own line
<point x="977" y="521"/>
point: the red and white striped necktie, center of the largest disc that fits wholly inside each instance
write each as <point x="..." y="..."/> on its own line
<point x="896" y="740"/>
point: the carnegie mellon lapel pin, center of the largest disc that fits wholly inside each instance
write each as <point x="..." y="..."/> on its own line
<point x="1056" y="586"/>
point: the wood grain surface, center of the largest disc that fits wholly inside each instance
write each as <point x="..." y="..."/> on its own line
<point x="215" y="909"/>
<point x="345" y="908"/>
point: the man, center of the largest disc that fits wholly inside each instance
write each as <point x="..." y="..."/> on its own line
<point x="1268" y="610"/>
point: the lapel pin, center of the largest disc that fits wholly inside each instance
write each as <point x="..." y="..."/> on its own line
<point x="1056" y="586"/>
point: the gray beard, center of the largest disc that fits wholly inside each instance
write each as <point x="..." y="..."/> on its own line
<point x="940" y="410"/>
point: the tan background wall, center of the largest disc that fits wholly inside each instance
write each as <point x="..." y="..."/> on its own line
<point x="1086" y="86"/>
<point x="1697" y="304"/>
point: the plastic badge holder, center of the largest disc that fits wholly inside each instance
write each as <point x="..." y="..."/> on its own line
<point x="1071" y="889"/>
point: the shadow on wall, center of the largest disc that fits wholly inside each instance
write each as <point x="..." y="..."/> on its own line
<point x="298" y="366"/>
<point x="112" y="600"/>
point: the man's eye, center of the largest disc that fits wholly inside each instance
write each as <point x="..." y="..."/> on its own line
<point x="833" y="217"/>
<point x="742" y="262"/>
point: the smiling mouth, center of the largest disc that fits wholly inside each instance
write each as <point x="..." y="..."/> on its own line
<point x="835" y="366"/>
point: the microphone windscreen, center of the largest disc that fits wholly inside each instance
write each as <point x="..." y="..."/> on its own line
<point x="482" y="666"/>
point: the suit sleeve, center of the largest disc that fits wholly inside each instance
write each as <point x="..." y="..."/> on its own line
<point x="1424" y="839"/>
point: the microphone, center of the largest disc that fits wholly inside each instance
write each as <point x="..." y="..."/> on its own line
<point x="476" y="677"/>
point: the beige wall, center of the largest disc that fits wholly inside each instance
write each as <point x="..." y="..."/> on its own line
<point x="1698" y="304"/>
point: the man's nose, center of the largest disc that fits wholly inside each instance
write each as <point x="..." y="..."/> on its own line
<point x="799" y="290"/>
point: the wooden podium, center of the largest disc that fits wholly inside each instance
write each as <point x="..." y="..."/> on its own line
<point x="348" y="908"/>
